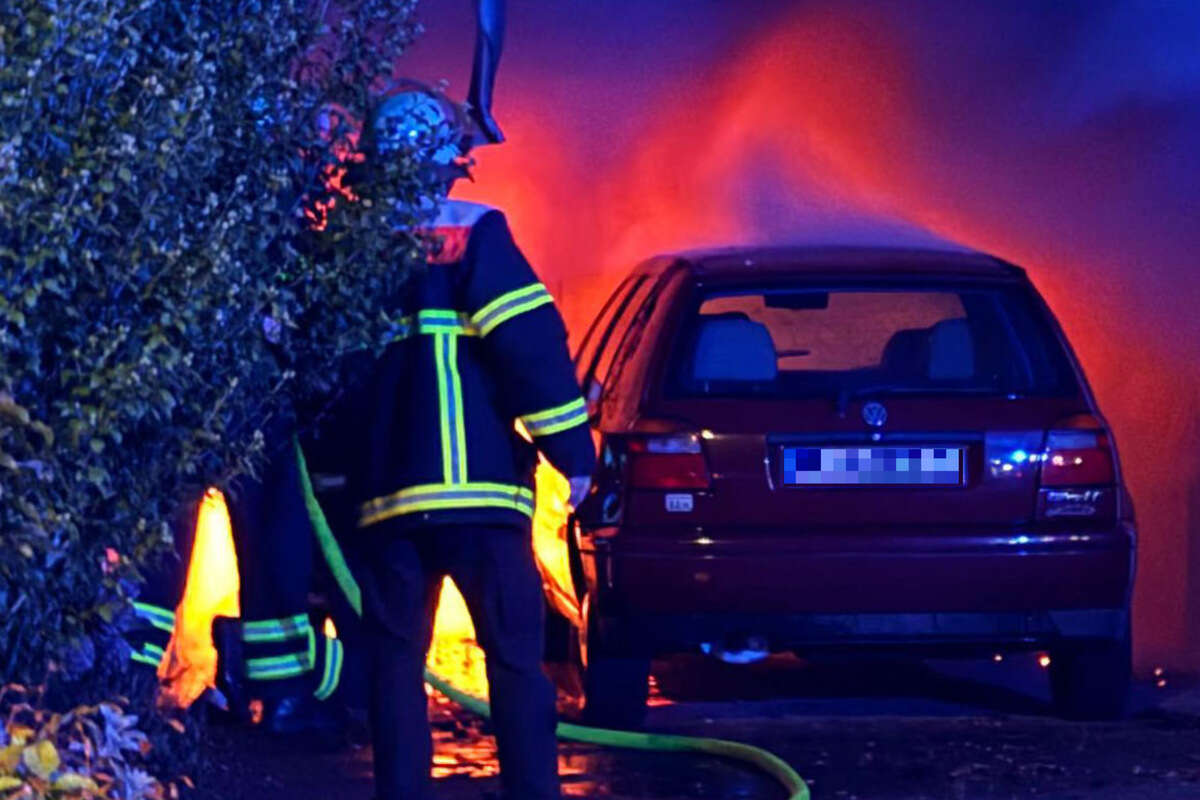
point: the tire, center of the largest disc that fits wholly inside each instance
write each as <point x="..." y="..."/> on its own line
<point x="615" y="692"/>
<point x="1089" y="680"/>
<point x="616" y="680"/>
<point x="558" y="644"/>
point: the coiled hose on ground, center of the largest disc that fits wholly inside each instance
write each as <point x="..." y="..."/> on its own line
<point x="763" y="760"/>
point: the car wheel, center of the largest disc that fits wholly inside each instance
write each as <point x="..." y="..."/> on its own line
<point x="559" y="642"/>
<point x="616" y="681"/>
<point x="1090" y="680"/>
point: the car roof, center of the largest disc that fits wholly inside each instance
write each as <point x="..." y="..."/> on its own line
<point x="826" y="260"/>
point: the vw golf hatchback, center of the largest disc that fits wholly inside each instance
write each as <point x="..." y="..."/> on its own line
<point x="832" y="448"/>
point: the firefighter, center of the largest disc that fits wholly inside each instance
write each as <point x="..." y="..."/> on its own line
<point x="445" y="485"/>
<point x="275" y="652"/>
<point x="152" y="621"/>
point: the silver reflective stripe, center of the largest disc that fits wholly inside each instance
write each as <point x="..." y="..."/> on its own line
<point x="509" y="305"/>
<point x="436" y="497"/>
<point x="430" y="321"/>
<point x="554" y="420"/>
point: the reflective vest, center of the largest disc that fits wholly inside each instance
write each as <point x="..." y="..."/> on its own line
<point x="476" y="345"/>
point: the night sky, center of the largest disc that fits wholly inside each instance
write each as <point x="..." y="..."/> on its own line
<point x="1063" y="136"/>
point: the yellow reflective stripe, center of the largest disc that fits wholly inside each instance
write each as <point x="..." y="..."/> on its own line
<point x="522" y="293"/>
<point x="439" y="356"/>
<point x="437" y="497"/>
<point x="151" y="655"/>
<point x="273" y="624"/>
<point x="276" y="630"/>
<point x="459" y="435"/>
<point x="289" y="665"/>
<point x="280" y="668"/>
<point x="435" y="489"/>
<point x="431" y="321"/>
<point x="332" y="674"/>
<point x="509" y="305"/>
<point x="157" y="616"/>
<point x="554" y="420"/>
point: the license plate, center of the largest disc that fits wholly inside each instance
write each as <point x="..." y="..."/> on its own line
<point x="873" y="466"/>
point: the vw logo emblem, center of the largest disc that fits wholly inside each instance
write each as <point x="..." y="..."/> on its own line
<point x="874" y="414"/>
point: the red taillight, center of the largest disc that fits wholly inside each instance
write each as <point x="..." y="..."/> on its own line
<point x="674" y="461"/>
<point x="1078" y="453"/>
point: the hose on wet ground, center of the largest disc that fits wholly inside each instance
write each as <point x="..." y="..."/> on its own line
<point x="763" y="760"/>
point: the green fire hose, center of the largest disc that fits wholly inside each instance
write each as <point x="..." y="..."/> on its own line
<point x="765" y="761"/>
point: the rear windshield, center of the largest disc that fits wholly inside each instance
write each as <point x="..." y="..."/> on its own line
<point x="797" y="342"/>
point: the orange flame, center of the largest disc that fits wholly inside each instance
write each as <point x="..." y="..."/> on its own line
<point x="190" y="665"/>
<point x="454" y="653"/>
<point x="212" y="590"/>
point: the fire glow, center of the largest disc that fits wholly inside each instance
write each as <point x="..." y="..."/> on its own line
<point x="825" y="119"/>
<point x="190" y="666"/>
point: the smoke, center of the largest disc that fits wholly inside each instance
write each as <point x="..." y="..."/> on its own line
<point x="1064" y="137"/>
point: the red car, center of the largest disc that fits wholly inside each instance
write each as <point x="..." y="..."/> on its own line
<point x="816" y="448"/>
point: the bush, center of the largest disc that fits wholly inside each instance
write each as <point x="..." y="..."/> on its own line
<point x="163" y="297"/>
<point x="87" y="752"/>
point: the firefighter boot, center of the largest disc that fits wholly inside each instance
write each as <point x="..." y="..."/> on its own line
<point x="231" y="666"/>
<point x="304" y="716"/>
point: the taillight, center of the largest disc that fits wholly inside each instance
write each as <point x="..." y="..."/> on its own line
<point x="1078" y="453"/>
<point x="674" y="461"/>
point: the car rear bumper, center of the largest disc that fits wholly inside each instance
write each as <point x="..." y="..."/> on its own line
<point x="986" y="587"/>
<point x="933" y="633"/>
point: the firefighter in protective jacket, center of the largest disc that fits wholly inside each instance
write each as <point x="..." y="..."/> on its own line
<point x="446" y="486"/>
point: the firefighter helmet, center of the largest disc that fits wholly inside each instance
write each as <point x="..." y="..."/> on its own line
<point x="424" y="122"/>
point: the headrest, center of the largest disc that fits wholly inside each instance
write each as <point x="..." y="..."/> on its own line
<point x="907" y="352"/>
<point x="729" y="348"/>
<point x="951" y="351"/>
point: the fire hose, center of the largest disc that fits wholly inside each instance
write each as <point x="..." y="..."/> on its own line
<point x="763" y="760"/>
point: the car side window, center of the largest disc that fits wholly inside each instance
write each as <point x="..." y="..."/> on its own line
<point x="585" y="356"/>
<point x="616" y="334"/>
<point x="629" y="346"/>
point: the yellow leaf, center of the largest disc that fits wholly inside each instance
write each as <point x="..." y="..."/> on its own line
<point x="20" y="734"/>
<point x="41" y="758"/>
<point x="13" y="411"/>
<point x="10" y="757"/>
<point x="9" y="782"/>
<point x="74" y="782"/>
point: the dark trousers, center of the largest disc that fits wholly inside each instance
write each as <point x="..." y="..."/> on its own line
<point x="494" y="569"/>
<point x="274" y="542"/>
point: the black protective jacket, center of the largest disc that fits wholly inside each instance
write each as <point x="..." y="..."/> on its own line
<point x="477" y="346"/>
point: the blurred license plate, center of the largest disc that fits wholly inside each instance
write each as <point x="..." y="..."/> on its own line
<point x="873" y="466"/>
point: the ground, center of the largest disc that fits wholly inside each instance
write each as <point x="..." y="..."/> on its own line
<point x="883" y="730"/>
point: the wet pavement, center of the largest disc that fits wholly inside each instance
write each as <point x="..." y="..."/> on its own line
<point x="891" y="730"/>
